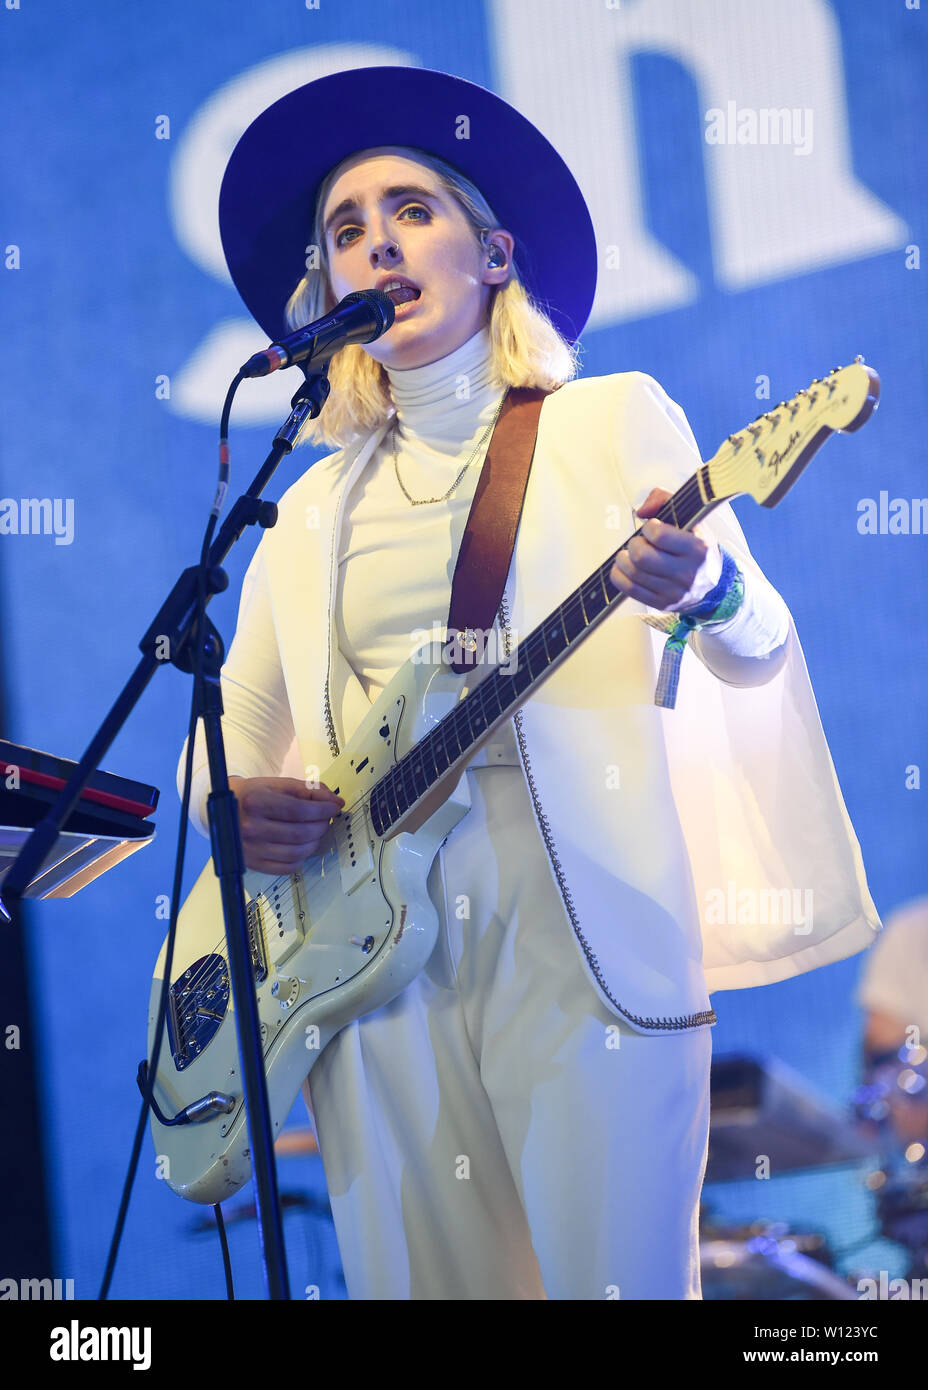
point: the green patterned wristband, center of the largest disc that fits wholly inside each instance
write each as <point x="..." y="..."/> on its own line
<point x="721" y="604"/>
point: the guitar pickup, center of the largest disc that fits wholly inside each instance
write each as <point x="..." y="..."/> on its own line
<point x="281" y="920"/>
<point x="353" y="840"/>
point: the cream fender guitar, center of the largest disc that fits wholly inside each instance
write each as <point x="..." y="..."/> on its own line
<point x="347" y="933"/>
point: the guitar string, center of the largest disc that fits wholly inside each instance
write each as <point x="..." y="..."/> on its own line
<point x="572" y="606"/>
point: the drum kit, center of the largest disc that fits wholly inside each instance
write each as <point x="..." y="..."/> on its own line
<point x="762" y="1109"/>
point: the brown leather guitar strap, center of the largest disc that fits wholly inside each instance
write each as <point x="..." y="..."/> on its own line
<point x="490" y="534"/>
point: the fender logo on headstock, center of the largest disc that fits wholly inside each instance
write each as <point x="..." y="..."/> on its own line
<point x="779" y="455"/>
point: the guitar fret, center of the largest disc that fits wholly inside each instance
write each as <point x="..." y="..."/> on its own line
<point x="428" y="746"/>
<point x="482" y="706"/>
<point x="502" y="694"/>
<point x="401" y="789"/>
<point x="538" y="652"/>
<point x="416" y="775"/>
<point x="525" y="658"/>
<point x="583" y="606"/>
<point x="476" y="715"/>
<point x="490" y="703"/>
<point x="575" y="619"/>
<point x="495" y="689"/>
<point x="436" y="742"/>
<point x="521" y="674"/>
<point x="437" y="737"/>
<point x="453" y="724"/>
<point x="594" y="601"/>
<point x="555" y="635"/>
<point x="470" y="707"/>
<point x="398" y="791"/>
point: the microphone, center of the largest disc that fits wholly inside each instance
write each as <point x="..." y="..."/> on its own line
<point x="360" y="318"/>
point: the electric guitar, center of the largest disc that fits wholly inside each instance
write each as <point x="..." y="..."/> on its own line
<point x="348" y="931"/>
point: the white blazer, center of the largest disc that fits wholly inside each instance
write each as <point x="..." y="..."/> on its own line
<point x="702" y="848"/>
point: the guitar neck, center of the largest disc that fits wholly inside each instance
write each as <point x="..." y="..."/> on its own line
<point x="457" y="737"/>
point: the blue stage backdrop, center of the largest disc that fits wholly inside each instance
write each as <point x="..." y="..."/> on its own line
<point x="756" y="173"/>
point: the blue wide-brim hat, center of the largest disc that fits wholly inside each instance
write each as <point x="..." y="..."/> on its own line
<point x="268" y="192"/>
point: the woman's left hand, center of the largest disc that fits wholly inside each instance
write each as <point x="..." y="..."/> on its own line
<point x="659" y="566"/>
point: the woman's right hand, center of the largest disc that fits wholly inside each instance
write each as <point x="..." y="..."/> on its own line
<point x="282" y="820"/>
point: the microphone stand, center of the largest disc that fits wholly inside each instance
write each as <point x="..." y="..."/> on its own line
<point x="176" y="620"/>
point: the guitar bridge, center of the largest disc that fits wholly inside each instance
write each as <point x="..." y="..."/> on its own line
<point x="197" y="1003"/>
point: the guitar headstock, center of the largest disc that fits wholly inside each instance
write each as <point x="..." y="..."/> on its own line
<point x="767" y="456"/>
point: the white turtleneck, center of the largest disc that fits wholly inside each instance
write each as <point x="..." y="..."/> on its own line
<point x="397" y="560"/>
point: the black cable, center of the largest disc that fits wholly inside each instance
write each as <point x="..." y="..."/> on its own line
<point x="226" y="1262"/>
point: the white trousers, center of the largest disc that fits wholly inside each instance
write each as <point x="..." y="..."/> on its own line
<point x="495" y="1132"/>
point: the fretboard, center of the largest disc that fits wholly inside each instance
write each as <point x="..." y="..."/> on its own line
<point x="455" y="738"/>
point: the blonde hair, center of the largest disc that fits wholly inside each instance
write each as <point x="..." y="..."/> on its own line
<point x="527" y="349"/>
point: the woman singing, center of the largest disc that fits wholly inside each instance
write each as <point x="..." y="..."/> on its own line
<point x="529" y="1117"/>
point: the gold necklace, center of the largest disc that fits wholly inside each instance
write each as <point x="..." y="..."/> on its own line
<point x="422" y="501"/>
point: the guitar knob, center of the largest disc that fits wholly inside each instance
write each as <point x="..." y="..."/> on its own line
<point x="286" y="990"/>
